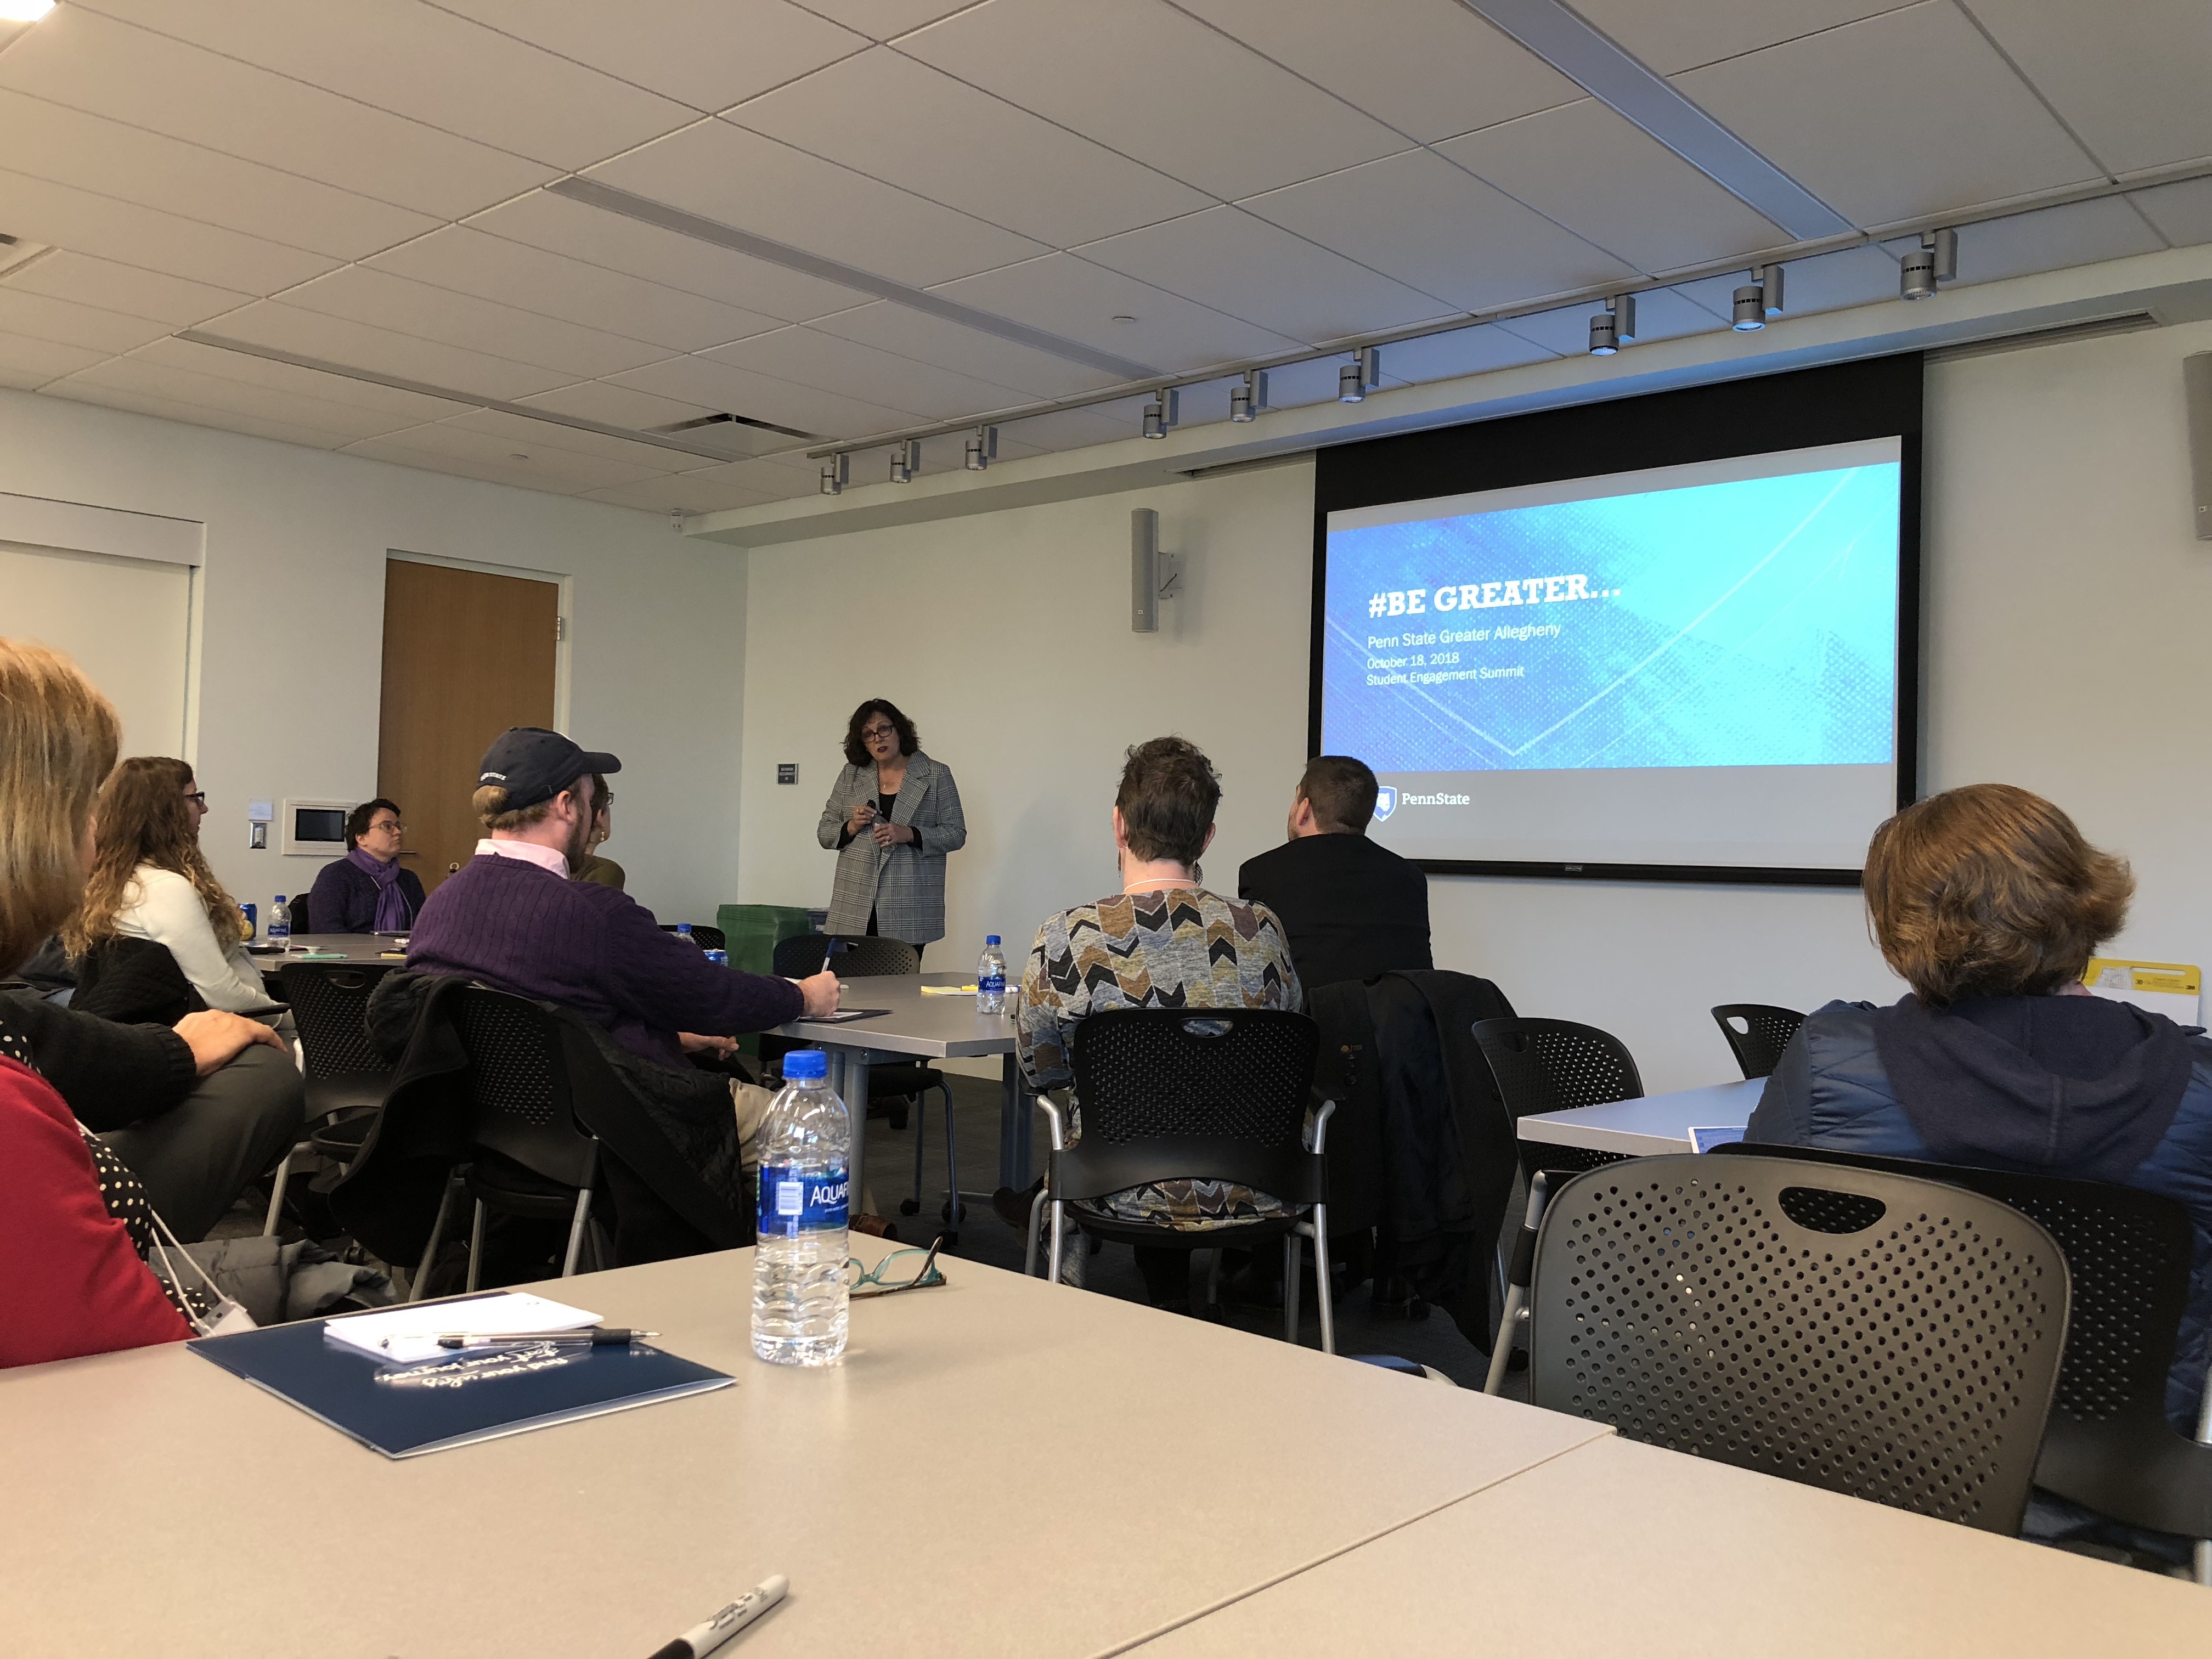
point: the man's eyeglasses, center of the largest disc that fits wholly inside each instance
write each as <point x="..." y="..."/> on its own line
<point x="198" y="797"/>
<point x="899" y="1270"/>
<point x="393" y="825"/>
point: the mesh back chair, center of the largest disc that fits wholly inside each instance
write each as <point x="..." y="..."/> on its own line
<point x="2130" y="1255"/>
<point x="1216" y="1094"/>
<point x="346" y="1076"/>
<point x="706" y="936"/>
<point x="1867" y="1332"/>
<point x="1765" y="1032"/>
<point x="295" y="911"/>
<point x="1555" y="1066"/>
<point x="529" y="1156"/>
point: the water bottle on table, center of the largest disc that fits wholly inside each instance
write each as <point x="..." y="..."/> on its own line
<point x="684" y="932"/>
<point x="991" y="978"/>
<point x="798" y="1266"/>
<point x="280" y="924"/>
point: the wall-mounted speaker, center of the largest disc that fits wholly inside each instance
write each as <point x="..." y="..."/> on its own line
<point x="1153" y="575"/>
<point x="2196" y="384"/>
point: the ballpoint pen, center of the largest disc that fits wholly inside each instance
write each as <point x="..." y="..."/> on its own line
<point x="593" y="1336"/>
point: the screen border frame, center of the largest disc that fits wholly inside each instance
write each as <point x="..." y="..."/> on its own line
<point x="1798" y="408"/>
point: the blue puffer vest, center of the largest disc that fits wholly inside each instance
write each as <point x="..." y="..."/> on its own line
<point x="1830" y="1090"/>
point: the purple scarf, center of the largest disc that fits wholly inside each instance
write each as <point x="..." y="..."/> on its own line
<point x="392" y="916"/>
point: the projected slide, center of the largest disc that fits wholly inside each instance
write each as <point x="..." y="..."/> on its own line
<point x="1738" y="614"/>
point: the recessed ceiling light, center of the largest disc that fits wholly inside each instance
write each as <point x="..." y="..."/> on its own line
<point x="516" y="455"/>
<point x="1124" y="319"/>
<point x="24" y="11"/>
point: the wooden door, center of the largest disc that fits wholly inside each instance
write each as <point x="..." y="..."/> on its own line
<point x="466" y="655"/>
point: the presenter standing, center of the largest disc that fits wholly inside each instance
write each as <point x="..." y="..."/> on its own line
<point x="892" y="815"/>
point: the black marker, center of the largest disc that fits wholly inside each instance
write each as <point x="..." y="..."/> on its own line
<point x="702" y="1639"/>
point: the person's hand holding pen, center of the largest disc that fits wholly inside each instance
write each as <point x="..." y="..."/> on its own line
<point x="821" y="993"/>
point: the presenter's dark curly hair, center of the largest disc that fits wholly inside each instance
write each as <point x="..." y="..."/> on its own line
<point x="856" y="752"/>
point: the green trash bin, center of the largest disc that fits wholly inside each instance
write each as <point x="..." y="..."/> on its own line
<point x="751" y="934"/>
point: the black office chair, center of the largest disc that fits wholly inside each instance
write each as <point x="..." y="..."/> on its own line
<point x="346" y="1076"/>
<point x="2130" y="1252"/>
<point x="1765" y="1032"/>
<point x="865" y="956"/>
<point x="295" y="910"/>
<point x="1555" y="1066"/>
<point x="705" y="935"/>
<point x="1895" y="1339"/>
<point x="529" y="1155"/>
<point x="1217" y="1094"/>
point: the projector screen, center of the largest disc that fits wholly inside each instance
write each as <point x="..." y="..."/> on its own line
<point x="1692" y="670"/>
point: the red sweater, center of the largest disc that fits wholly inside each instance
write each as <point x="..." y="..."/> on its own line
<point x="72" y="1283"/>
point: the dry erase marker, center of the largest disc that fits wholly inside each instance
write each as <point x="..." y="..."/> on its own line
<point x="702" y="1639"/>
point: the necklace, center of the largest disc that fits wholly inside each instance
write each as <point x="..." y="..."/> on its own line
<point x="1162" y="881"/>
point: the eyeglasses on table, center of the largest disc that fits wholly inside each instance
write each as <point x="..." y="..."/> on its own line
<point x="899" y="1270"/>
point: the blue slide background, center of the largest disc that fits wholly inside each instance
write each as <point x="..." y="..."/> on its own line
<point x="1795" y="667"/>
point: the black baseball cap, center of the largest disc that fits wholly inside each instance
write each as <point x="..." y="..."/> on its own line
<point x="532" y="765"/>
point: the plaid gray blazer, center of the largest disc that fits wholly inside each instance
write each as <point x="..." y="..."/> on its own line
<point x="903" y="886"/>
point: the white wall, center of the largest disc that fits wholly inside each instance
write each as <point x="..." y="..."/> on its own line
<point x="2066" y="628"/>
<point x="289" y="654"/>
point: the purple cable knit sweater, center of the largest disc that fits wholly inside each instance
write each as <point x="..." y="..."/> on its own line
<point x="518" y="927"/>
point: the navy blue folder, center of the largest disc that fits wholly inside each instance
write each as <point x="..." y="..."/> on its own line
<point x="480" y="1395"/>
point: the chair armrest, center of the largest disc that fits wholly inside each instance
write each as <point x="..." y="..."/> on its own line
<point x="1054" y="1121"/>
<point x="1317" y="1131"/>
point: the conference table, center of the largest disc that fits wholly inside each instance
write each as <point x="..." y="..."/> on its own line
<point x="1000" y="1467"/>
<point x="915" y="1025"/>
<point x="1649" y="1126"/>
<point x="334" y="947"/>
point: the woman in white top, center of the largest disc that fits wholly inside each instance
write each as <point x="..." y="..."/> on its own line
<point x="149" y="880"/>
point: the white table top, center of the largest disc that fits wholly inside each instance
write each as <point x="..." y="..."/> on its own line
<point x="1619" y="1548"/>
<point x="1094" y="1471"/>
<point x="937" y="1027"/>
<point x="1652" y="1126"/>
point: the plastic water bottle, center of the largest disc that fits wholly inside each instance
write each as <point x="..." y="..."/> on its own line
<point x="798" y="1269"/>
<point x="718" y="958"/>
<point x="684" y="932"/>
<point x="991" y="978"/>
<point x="280" y="924"/>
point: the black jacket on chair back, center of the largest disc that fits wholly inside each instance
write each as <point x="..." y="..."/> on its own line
<point x="1352" y="910"/>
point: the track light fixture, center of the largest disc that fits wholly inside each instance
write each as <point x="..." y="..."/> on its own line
<point x="1164" y="411"/>
<point x="1613" y="327"/>
<point x="1935" y="260"/>
<point x="906" y="461"/>
<point x="1758" y="299"/>
<point x="837" y="475"/>
<point x="982" y="448"/>
<point x="1359" y="376"/>
<point x="1248" y="400"/>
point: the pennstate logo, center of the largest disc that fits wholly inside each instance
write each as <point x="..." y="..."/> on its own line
<point x="1386" y="802"/>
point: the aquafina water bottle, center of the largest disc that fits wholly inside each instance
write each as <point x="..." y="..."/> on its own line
<point x="991" y="978"/>
<point x="280" y="924"/>
<point x="798" y="1267"/>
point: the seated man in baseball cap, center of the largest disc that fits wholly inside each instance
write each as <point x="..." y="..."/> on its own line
<point x="511" y="917"/>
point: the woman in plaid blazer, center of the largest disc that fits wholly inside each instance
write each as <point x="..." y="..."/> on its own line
<point x="892" y="815"/>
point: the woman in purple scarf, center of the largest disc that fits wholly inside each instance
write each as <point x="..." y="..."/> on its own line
<point x="367" y="892"/>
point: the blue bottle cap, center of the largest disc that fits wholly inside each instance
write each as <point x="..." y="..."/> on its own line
<point x="806" y="1063"/>
<point x="990" y="939"/>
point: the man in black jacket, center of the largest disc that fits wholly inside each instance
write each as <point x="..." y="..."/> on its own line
<point x="1352" y="910"/>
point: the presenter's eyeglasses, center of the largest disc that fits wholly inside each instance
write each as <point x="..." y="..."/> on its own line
<point x="901" y="1270"/>
<point x="870" y="734"/>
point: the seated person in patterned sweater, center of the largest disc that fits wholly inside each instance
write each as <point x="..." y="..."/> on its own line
<point x="1163" y="942"/>
<point x="512" y="918"/>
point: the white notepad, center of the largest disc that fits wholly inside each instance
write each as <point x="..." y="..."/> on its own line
<point x="407" y="1334"/>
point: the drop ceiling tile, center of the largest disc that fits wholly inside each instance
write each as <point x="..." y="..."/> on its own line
<point x="1158" y="86"/>
<point x="929" y="340"/>
<point x="533" y="463"/>
<point x="616" y="405"/>
<point x="87" y="62"/>
<point x="1671" y="38"/>
<point x="778" y="477"/>
<point x="679" y="492"/>
<point x="1007" y="165"/>
<point x="469" y="261"/>
<point x="738" y="178"/>
<point x="1078" y="429"/>
<point x="143" y="377"/>
<point x="2050" y="239"/>
<point x="763" y="398"/>
<point x="1827" y="282"/>
<point x="525" y="434"/>
<point x="886" y="19"/>
<point x="1609" y="182"/>
<point x="1474" y="350"/>
<point x="2182" y="212"/>
<point x="516" y="473"/>
<point x="366" y="296"/>
<point x="90" y="152"/>
<point x="350" y="344"/>
<point x="43" y="317"/>
<point x="831" y="363"/>
<point x="2135" y="81"/>
<point x="1428" y="223"/>
<point x="25" y="361"/>
<point x="561" y="226"/>
<point x="1235" y="263"/>
<point x="1429" y="68"/>
<point x="128" y="288"/>
<point x="709" y="54"/>
<point x="1661" y="315"/>
<point x="67" y="217"/>
<point x="395" y="407"/>
<point x="429" y="66"/>
<point x="1911" y="113"/>
<point x="167" y="409"/>
<point x="1076" y="300"/>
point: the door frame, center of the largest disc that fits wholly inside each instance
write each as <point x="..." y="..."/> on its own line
<point x="565" y="604"/>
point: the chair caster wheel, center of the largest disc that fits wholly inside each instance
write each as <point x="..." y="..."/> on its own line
<point x="908" y="1207"/>
<point x="898" y="1116"/>
<point x="944" y="1214"/>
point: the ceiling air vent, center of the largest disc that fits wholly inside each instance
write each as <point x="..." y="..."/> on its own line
<point x="16" y="253"/>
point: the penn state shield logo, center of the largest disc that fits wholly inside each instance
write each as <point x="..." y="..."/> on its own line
<point x="1386" y="802"/>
